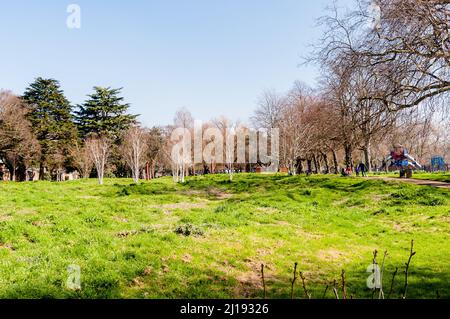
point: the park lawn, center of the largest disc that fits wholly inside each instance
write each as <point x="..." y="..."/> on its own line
<point x="208" y="237"/>
<point x="438" y="176"/>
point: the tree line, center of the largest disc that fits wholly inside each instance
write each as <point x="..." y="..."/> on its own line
<point x="385" y="79"/>
<point x="380" y="84"/>
<point x="42" y="129"/>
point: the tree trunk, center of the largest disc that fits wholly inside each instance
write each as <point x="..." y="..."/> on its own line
<point x="299" y="166"/>
<point x="367" y="155"/>
<point x="316" y="164"/>
<point x="100" y="171"/>
<point x="147" y="171"/>
<point x="100" y="177"/>
<point x="41" y="170"/>
<point x="348" y="155"/>
<point x="13" y="176"/>
<point x="325" y="161"/>
<point x="309" y="166"/>
<point x="136" y="175"/>
<point x="153" y="170"/>
<point x="335" y="162"/>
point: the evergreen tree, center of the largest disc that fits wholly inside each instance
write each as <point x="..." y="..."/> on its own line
<point x="104" y="113"/>
<point x="51" y="119"/>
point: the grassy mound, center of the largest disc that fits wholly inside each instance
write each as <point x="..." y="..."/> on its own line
<point x="208" y="237"/>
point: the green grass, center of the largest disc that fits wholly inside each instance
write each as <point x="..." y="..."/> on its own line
<point x="438" y="176"/>
<point x="208" y="238"/>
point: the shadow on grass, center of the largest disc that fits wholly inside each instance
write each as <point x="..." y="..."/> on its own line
<point x="184" y="280"/>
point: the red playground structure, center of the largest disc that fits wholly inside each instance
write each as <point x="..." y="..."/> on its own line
<point x="402" y="161"/>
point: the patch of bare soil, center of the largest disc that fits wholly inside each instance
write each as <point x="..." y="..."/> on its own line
<point x="267" y="210"/>
<point x="183" y="206"/>
<point x="7" y="247"/>
<point x="218" y="193"/>
<point x="193" y="193"/>
<point x="127" y="233"/>
<point x="446" y="219"/>
<point x="187" y="258"/>
<point x="4" y="218"/>
<point x="88" y="197"/>
<point x="378" y="197"/>
<point x="307" y="235"/>
<point x="168" y="208"/>
<point x="26" y="211"/>
<point x="41" y="223"/>
<point x="212" y="191"/>
<point x="250" y="282"/>
<point x="138" y="283"/>
<point x="331" y="255"/>
<point x="223" y="195"/>
<point x="120" y="219"/>
<point x="398" y="227"/>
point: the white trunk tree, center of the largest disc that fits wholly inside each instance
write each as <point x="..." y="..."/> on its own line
<point x="99" y="148"/>
<point x="134" y="149"/>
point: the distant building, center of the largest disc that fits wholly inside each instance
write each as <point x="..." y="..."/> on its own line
<point x="32" y="174"/>
<point x="273" y="168"/>
<point x="70" y="176"/>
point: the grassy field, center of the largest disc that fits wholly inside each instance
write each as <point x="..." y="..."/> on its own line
<point x="439" y="177"/>
<point x="208" y="238"/>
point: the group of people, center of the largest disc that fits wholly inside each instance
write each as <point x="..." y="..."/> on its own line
<point x="360" y="169"/>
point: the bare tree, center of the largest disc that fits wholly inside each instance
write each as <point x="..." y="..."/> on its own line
<point x="228" y="130"/>
<point x="183" y="120"/>
<point x="18" y="146"/>
<point x="268" y="113"/>
<point x="133" y="150"/>
<point x="407" y="48"/>
<point x="99" y="149"/>
<point x="155" y="142"/>
<point x="411" y="48"/>
<point x="295" y="133"/>
<point x="82" y="159"/>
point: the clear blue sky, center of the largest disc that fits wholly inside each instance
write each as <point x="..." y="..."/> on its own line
<point x="212" y="56"/>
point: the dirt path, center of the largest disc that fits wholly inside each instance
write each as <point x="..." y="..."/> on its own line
<point x="416" y="181"/>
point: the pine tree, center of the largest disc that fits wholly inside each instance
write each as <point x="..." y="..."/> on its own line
<point x="51" y="119"/>
<point x="104" y="114"/>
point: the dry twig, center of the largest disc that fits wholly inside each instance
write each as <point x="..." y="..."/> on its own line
<point x="293" y="280"/>
<point x="344" y="290"/>
<point x="307" y="294"/>
<point x="411" y="255"/>
<point x="263" y="280"/>
<point x="392" y="282"/>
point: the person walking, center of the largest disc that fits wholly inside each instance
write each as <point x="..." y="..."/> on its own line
<point x="362" y="169"/>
